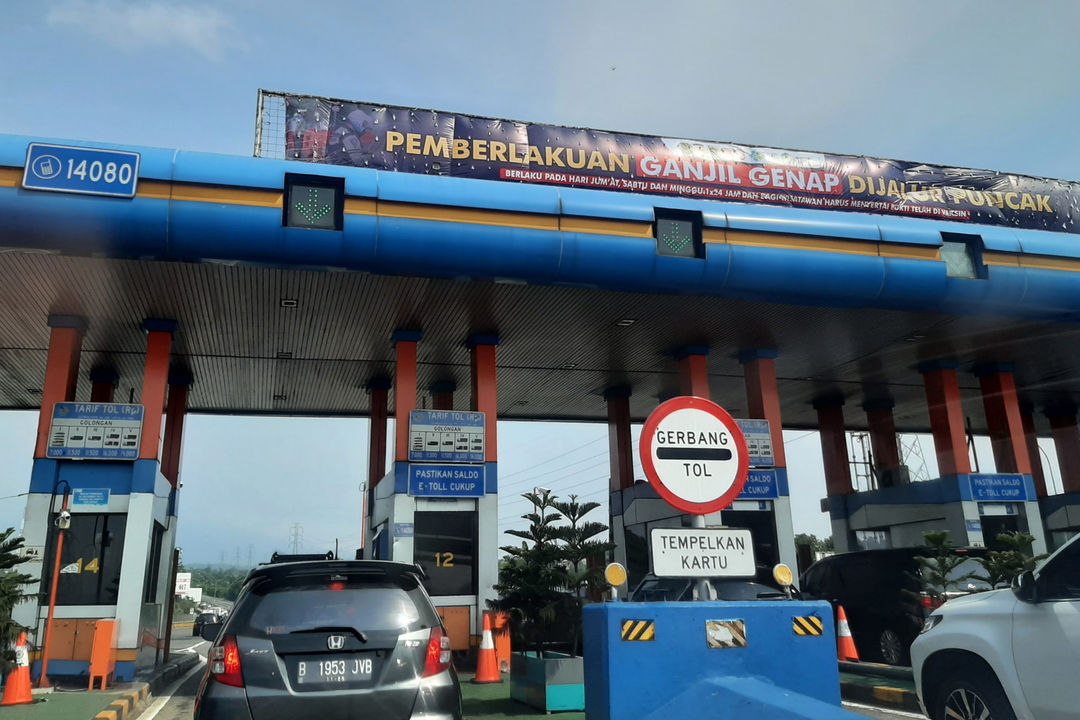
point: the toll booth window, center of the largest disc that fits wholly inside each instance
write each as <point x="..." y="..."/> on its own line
<point x="962" y="255"/>
<point x="153" y="565"/>
<point x="90" y="560"/>
<point x="314" y="202"/>
<point x="1060" y="579"/>
<point x="678" y="233"/>
<point x="445" y="545"/>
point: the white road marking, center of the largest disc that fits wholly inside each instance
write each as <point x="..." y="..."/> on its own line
<point x="881" y="709"/>
<point x="163" y="700"/>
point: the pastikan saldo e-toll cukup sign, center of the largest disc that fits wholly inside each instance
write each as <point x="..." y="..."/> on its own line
<point x="432" y="142"/>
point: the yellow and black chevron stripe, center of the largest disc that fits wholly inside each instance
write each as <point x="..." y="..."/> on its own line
<point x="638" y="630"/>
<point x="810" y="625"/>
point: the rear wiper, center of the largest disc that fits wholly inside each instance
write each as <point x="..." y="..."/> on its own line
<point x="329" y="628"/>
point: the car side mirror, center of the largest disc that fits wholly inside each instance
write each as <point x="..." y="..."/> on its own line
<point x="1023" y="587"/>
<point x="210" y="631"/>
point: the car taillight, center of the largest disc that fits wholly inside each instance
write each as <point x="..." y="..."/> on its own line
<point x="438" y="653"/>
<point x="225" y="662"/>
<point x="929" y="603"/>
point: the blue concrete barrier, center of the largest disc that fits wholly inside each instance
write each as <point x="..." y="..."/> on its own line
<point x="650" y="661"/>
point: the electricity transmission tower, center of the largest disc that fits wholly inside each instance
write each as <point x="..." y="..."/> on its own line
<point x="912" y="456"/>
<point x="296" y="537"/>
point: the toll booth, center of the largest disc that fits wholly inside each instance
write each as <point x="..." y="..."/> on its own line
<point x="974" y="508"/>
<point x="118" y="515"/>
<point x="1061" y="516"/>
<point x="763" y="507"/>
<point x="440" y="511"/>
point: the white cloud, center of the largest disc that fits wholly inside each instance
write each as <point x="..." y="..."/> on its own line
<point x="155" y="24"/>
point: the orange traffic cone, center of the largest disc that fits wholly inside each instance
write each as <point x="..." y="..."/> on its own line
<point x="487" y="665"/>
<point x="845" y="644"/>
<point x="17" y="689"/>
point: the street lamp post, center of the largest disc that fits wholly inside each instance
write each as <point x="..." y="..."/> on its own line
<point x="63" y="522"/>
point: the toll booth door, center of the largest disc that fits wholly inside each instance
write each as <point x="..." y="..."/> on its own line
<point x="762" y="526"/>
<point x="994" y="525"/>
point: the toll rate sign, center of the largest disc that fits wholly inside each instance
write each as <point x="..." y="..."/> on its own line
<point x="695" y="455"/>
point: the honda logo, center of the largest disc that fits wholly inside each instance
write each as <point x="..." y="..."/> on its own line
<point x="335" y="642"/>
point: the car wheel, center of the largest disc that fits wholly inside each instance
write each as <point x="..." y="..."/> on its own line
<point x="891" y="647"/>
<point x="972" y="694"/>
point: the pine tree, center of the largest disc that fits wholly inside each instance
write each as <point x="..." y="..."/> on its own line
<point x="533" y="577"/>
<point x="937" y="569"/>
<point x="12" y="583"/>
<point x="1001" y="566"/>
<point x="583" y="555"/>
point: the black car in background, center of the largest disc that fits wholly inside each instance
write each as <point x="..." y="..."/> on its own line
<point x="882" y="596"/>
<point x="762" y="587"/>
<point x="331" y="640"/>
<point x="203" y="619"/>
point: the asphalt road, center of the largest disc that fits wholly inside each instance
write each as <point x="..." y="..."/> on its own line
<point x="178" y="701"/>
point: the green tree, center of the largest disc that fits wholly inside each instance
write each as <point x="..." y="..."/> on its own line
<point x="583" y="555"/>
<point x="533" y="578"/>
<point x="937" y="569"/>
<point x="818" y="545"/>
<point x="12" y="583"/>
<point x="1001" y="566"/>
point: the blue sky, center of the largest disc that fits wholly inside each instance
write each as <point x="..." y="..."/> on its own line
<point x="975" y="84"/>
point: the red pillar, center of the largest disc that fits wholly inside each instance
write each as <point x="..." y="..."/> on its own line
<point x="379" y="389"/>
<point x="1003" y="421"/>
<point x="61" y="372"/>
<point x="442" y="395"/>
<point x="946" y="417"/>
<point x="620" y="450"/>
<point x="1067" y="443"/>
<point x="879" y="416"/>
<point x="1031" y="437"/>
<point x="834" y="448"/>
<point x="104" y="380"/>
<point x="693" y="371"/>
<point x="485" y="390"/>
<point x="404" y="389"/>
<point x="155" y="384"/>
<point x="175" y="414"/>
<point x="763" y="397"/>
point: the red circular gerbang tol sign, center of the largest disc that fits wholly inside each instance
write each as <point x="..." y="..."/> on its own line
<point x="695" y="455"/>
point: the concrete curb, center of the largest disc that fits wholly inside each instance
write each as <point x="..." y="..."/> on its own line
<point x="124" y="707"/>
<point x="897" y="672"/>
<point x="160" y="677"/>
<point x="881" y="695"/>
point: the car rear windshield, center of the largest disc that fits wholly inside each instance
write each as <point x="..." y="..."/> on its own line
<point x="207" y="618"/>
<point x="365" y="607"/>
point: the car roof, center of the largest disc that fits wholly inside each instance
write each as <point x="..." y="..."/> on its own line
<point x="279" y="572"/>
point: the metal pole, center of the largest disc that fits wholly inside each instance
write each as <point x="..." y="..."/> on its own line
<point x="43" y="681"/>
<point x="704" y="587"/>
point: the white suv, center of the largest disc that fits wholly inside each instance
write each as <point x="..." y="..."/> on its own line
<point x="1006" y="654"/>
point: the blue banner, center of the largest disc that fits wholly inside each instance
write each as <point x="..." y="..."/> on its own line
<point x="90" y="497"/>
<point x="431" y="142"/>
<point x="760" y="485"/>
<point x="446" y="480"/>
<point x="81" y="170"/>
<point x="998" y="488"/>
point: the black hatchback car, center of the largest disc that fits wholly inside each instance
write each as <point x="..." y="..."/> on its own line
<point x="203" y="619"/>
<point x="330" y="639"/>
<point x="881" y="594"/>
